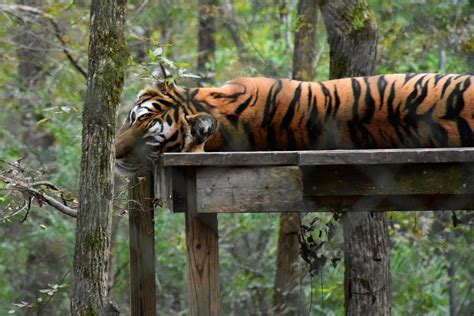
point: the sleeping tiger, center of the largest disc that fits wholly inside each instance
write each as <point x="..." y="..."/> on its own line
<point x="247" y="114"/>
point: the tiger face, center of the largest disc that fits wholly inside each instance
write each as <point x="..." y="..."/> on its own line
<point x="158" y="122"/>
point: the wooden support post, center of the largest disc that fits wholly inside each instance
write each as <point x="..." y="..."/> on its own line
<point x="142" y="246"/>
<point x="203" y="255"/>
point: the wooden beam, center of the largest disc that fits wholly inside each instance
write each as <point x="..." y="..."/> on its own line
<point x="385" y="156"/>
<point x="142" y="246"/>
<point x="321" y="157"/>
<point x="327" y="188"/>
<point x="409" y="179"/>
<point x="203" y="256"/>
<point x="221" y="159"/>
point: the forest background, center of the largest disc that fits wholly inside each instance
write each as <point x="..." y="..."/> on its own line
<point x="42" y="74"/>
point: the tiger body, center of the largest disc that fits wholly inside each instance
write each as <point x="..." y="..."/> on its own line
<point x="385" y="111"/>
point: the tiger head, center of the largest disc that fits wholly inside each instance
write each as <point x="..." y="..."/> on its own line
<point x="160" y="121"/>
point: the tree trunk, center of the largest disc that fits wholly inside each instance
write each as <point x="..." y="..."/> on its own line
<point x="352" y="39"/>
<point x="107" y="62"/>
<point x="286" y="297"/>
<point x="305" y="41"/>
<point x="206" y="39"/>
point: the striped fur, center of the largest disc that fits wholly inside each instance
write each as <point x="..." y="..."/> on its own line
<point x="386" y="111"/>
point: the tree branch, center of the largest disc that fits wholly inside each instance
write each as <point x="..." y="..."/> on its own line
<point x="17" y="10"/>
<point x="29" y="189"/>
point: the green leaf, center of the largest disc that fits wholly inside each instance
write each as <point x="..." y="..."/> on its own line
<point x="43" y="120"/>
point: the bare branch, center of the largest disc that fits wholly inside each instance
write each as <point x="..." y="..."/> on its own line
<point x="20" y="10"/>
<point x="27" y="188"/>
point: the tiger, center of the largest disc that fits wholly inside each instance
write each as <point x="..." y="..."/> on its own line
<point x="264" y="114"/>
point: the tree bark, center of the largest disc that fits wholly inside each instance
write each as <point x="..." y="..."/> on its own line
<point x="286" y="297"/>
<point x="107" y="62"/>
<point x="206" y="39"/>
<point x="305" y="41"/>
<point x="352" y="39"/>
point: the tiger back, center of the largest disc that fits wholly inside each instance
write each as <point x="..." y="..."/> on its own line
<point x="385" y="111"/>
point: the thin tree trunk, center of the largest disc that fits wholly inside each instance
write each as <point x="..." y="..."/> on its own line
<point x="107" y="62"/>
<point x="352" y="39"/>
<point x="305" y="41"/>
<point x="206" y="39"/>
<point x="286" y="298"/>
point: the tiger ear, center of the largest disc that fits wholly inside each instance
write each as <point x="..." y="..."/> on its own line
<point x="201" y="128"/>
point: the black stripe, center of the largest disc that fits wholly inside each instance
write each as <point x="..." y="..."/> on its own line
<point x="157" y="106"/>
<point x="327" y="100"/>
<point x="313" y="125"/>
<point x="352" y="123"/>
<point x="369" y="103"/>
<point x="290" y="113"/>
<point x="454" y="106"/>
<point x="393" y="115"/>
<point x="270" y="104"/>
<point x="382" y="86"/>
<point x="445" y="86"/>
<point x="337" y="102"/>
<point x="310" y="97"/>
<point x="169" y="120"/>
<point x="438" y="77"/>
<point x="408" y="77"/>
<point x="243" y="106"/>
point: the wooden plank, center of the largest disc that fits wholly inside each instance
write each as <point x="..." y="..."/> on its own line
<point x="343" y="180"/>
<point x="221" y="159"/>
<point x="439" y="202"/>
<point x="163" y="185"/>
<point x="203" y="255"/>
<point x="245" y="189"/>
<point x="386" y="156"/>
<point x="321" y="157"/>
<point x="142" y="246"/>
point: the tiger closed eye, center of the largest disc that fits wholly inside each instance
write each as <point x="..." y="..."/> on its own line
<point x="144" y="116"/>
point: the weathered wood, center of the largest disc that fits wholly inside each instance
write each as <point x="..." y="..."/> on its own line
<point x="440" y="186"/>
<point x="220" y="159"/>
<point x="442" y="178"/>
<point x="258" y="189"/>
<point x="203" y="256"/>
<point x="320" y="157"/>
<point x="385" y="156"/>
<point x="417" y="202"/>
<point x="142" y="246"/>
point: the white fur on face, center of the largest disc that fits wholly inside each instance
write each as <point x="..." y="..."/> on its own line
<point x="140" y="110"/>
<point x="158" y="131"/>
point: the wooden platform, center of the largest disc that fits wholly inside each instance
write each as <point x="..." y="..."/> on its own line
<point x="304" y="181"/>
<point x="205" y="184"/>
